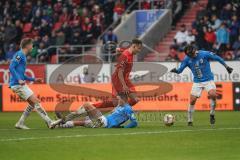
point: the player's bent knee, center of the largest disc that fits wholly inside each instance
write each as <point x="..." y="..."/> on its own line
<point x="212" y="94"/>
<point x="193" y="100"/>
<point x="88" y="106"/>
<point x="33" y="100"/>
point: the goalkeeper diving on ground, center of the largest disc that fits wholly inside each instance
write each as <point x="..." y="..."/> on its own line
<point x="93" y="117"/>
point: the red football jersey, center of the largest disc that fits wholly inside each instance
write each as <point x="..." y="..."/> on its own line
<point x="125" y="62"/>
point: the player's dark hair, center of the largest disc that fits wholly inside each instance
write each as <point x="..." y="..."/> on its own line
<point x="136" y="41"/>
<point x="190" y="50"/>
<point x="25" y="42"/>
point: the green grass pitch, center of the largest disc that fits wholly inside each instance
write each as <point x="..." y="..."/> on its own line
<point x="150" y="141"/>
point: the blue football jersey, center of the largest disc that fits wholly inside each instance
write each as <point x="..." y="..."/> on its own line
<point x="17" y="69"/>
<point x="200" y="65"/>
<point x="120" y="115"/>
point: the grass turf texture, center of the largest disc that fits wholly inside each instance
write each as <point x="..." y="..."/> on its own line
<point x="151" y="140"/>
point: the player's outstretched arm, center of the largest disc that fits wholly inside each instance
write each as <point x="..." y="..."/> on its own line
<point x="181" y="68"/>
<point x="28" y="78"/>
<point x="132" y="124"/>
<point x="220" y="60"/>
<point x="174" y="70"/>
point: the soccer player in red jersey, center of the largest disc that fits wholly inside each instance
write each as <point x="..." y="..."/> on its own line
<point x="122" y="85"/>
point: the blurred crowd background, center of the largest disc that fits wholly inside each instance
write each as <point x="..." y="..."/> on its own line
<point x="216" y="28"/>
<point x="81" y="22"/>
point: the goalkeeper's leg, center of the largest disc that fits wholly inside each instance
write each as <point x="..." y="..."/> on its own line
<point x="86" y="109"/>
<point x="72" y="116"/>
<point x="87" y="122"/>
<point x="71" y="124"/>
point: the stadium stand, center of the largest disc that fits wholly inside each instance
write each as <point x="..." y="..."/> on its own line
<point x="54" y="22"/>
<point x="213" y="29"/>
<point x="59" y="22"/>
<point x="78" y="22"/>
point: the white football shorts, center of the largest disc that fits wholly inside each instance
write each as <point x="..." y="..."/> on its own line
<point x="23" y="91"/>
<point x="198" y="87"/>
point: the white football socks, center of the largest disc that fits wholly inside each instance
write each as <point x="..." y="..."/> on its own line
<point x="25" y="114"/>
<point x="190" y="113"/>
<point x="68" y="124"/>
<point x="81" y="110"/>
<point x="212" y="106"/>
<point x="88" y="122"/>
<point x="76" y="114"/>
<point x="42" y="113"/>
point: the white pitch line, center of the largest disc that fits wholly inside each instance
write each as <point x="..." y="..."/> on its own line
<point x="11" y="129"/>
<point x="116" y="134"/>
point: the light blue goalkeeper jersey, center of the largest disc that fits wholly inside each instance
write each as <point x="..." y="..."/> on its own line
<point x="120" y="115"/>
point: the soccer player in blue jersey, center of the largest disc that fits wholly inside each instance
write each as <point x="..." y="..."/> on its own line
<point x="199" y="63"/>
<point x="94" y="118"/>
<point x="18" y="84"/>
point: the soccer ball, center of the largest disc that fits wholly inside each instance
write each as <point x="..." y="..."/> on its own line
<point x="168" y="119"/>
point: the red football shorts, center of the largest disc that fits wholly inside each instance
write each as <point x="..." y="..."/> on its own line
<point x="117" y="87"/>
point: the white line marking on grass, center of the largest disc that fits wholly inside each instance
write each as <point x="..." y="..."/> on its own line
<point x="116" y="134"/>
<point x="14" y="129"/>
<point x="6" y="129"/>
